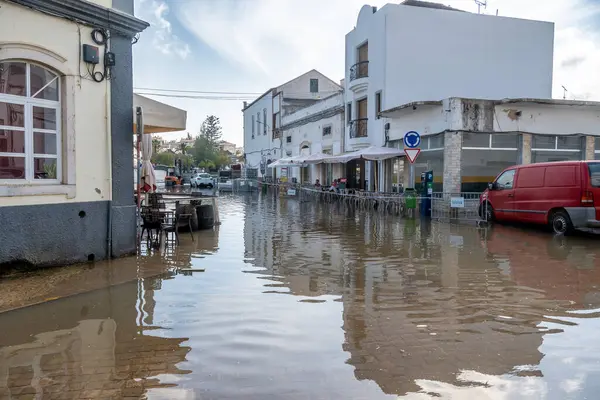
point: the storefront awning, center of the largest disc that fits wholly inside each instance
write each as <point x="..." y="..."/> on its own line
<point x="159" y="117"/>
<point x="372" y="153"/>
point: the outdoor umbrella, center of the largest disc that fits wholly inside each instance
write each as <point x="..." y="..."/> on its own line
<point x="147" y="169"/>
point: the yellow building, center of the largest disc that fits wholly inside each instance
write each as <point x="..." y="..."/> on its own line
<point x="66" y="90"/>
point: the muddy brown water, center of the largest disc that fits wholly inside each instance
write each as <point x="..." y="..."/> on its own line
<point x="306" y="301"/>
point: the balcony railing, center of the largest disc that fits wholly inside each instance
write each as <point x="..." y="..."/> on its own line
<point x="358" y="128"/>
<point x="359" y="70"/>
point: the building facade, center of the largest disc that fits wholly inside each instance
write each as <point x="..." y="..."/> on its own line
<point x="263" y="117"/>
<point x="467" y="142"/>
<point x="66" y="131"/>
<point x="421" y="51"/>
<point x="318" y="128"/>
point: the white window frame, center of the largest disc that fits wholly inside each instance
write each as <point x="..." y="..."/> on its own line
<point x="427" y="139"/>
<point x="28" y="103"/>
<point x="490" y="145"/>
<point x="557" y="150"/>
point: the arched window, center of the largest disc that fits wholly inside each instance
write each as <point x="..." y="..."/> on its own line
<point x="30" y="123"/>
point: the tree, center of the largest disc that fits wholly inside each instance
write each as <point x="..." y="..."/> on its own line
<point x="211" y="131"/>
<point x="155" y="145"/>
<point x="183" y="147"/>
<point x="222" y="159"/>
<point x="164" y="158"/>
<point x="202" y="150"/>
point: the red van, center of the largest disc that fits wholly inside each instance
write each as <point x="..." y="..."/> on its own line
<point x="563" y="195"/>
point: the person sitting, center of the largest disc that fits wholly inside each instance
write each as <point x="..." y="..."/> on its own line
<point x="334" y="185"/>
<point x="317" y="184"/>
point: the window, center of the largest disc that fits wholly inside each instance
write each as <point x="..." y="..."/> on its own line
<point x="507" y="141"/>
<point x="484" y="156"/>
<point x="549" y="148"/>
<point x="594" y="174"/>
<point x="288" y="139"/>
<point x="265" y="121"/>
<point x="314" y="86"/>
<point x="258" y="123"/>
<point x="252" y="126"/>
<point x="30" y="123"/>
<point x="327" y="130"/>
<point x="505" y="181"/>
<point x="435" y="142"/>
<point x="377" y="104"/>
<point x="349" y="113"/>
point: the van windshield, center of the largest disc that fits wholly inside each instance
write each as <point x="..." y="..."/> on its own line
<point x="594" y="174"/>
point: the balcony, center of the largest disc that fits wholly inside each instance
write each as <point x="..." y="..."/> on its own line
<point x="358" y="128"/>
<point x="359" y="70"/>
<point x="359" y="74"/>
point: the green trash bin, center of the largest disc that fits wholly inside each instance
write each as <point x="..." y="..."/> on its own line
<point x="410" y="196"/>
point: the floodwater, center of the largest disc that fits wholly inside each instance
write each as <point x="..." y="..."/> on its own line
<point x="289" y="300"/>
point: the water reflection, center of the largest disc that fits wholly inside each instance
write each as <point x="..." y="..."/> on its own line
<point x="305" y="301"/>
<point x="103" y="345"/>
<point x="438" y="310"/>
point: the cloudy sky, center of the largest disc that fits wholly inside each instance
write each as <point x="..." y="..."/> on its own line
<point x="245" y="47"/>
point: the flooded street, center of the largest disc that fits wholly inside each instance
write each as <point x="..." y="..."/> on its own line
<point x="310" y="301"/>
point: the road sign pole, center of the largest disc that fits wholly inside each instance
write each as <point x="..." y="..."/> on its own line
<point x="411" y="176"/>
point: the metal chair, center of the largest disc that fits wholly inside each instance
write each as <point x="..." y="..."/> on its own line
<point x="173" y="223"/>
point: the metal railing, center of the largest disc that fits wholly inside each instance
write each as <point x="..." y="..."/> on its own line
<point x="463" y="206"/>
<point x="359" y="70"/>
<point x="358" y="128"/>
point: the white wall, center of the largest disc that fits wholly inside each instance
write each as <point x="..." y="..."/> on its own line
<point x="299" y="88"/>
<point x="548" y="119"/>
<point x="311" y="133"/>
<point x="427" y="120"/>
<point x="252" y="147"/>
<point x="86" y="105"/>
<point x="420" y="54"/>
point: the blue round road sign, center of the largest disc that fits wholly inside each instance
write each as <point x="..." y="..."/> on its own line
<point x="412" y="139"/>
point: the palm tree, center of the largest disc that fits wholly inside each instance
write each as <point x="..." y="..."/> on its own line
<point x="183" y="147"/>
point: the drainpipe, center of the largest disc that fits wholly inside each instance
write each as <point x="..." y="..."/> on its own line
<point x="110" y="179"/>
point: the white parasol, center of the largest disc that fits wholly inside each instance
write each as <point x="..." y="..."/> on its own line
<point x="148" y="176"/>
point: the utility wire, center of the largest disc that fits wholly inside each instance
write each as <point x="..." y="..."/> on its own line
<point x="195" y="91"/>
<point x="183" y="96"/>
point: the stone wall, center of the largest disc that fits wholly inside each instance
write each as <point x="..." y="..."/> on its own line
<point x="452" y="161"/>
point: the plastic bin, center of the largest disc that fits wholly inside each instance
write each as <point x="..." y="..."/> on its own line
<point x="410" y="196"/>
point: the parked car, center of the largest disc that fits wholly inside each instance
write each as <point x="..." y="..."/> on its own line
<point x="563" y="195"/>
<point x="202" y="180"/>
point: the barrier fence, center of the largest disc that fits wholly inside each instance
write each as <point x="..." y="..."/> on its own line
<point x="446" y="206"/>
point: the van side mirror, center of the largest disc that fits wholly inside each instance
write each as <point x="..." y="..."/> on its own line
<point x="491" y="186"/>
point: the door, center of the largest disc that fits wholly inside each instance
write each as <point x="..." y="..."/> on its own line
<point x="363" y="61"/>
<point x="502" y="196"/>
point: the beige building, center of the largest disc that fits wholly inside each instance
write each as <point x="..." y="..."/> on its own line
<point x="65" y="130"/>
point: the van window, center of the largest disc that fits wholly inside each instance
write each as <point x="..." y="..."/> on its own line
<point x="532" y="177"/>
<point x="505" y="181"/>
<point x="594" y="174"/>
<point x="560" y="176"/>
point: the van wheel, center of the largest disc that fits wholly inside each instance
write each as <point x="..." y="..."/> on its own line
<point x="561" y="223"/>
<point x="486" y="212"/>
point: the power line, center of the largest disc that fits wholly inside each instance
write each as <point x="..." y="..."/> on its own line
<point x="208" y="97"/>
<point x="196" y="91"/>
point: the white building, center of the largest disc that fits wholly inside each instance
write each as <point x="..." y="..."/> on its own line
<point x="315" y="129"/>
<point x="467" y="142"/>
<point x="419" y="51"/>
<point x="263" y="117"/>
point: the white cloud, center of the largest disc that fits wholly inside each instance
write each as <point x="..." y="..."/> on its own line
<point x="155" y="12"/>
